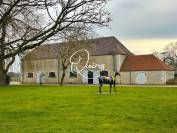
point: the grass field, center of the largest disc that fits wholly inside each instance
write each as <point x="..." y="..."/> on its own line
<point x="54" y="109"/>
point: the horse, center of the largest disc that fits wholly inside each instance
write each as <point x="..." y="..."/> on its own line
<point x="111" y="80"/>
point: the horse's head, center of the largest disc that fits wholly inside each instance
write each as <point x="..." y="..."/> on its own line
<point x="117" y="73"/>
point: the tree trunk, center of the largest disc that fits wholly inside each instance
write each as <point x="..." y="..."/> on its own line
<point x="62" y="78"/>
<point x="2" y="74"/>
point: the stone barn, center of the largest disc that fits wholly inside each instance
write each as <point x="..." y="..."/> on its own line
<point x="145" y="69"/>
<point x="107" y="52"/>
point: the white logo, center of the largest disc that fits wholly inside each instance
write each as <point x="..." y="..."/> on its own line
<point x="87" y="66"/>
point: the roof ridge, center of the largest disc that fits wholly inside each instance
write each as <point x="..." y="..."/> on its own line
<point x="91" y="39"/>
<point x="142" y="55"/>
<point x="102" y="37"/>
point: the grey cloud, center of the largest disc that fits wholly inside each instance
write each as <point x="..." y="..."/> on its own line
<point x="143" y="19"/>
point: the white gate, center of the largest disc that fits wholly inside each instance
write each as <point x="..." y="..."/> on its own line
<point x="141" y="78"/>
<point x="96" y="74"/>
<point x="40" y="77"/>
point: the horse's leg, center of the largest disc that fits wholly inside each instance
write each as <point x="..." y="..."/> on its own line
<point x="115" y="86"/>
<point x="110" y="87"/>
<point x="100" y="87"/>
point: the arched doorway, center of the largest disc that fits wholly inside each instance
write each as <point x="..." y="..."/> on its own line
<point x="90" y="77"/>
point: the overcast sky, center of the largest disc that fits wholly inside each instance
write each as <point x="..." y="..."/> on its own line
<point x="143" y="25"/>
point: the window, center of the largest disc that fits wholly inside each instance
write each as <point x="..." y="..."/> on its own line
<point x="30" y="75"/>
<point x="176" y="75"/>
<point x="52" y="75"/>
<point x="104" y="73"/>
<point x="73" y="74"/>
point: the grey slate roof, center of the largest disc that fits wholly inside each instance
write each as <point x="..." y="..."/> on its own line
<point x="98" y="47"/>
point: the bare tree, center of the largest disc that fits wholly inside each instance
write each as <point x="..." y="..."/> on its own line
<point x="1" y="2"/>
<point x="169" y="55"/>
<point x="75" y="41"/>
<point x="26" y="24"/>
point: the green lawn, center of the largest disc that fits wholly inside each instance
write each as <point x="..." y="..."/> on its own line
<point x="54" y="109"/>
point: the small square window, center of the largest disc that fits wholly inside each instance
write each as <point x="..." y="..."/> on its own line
<point x="73" y="74"/>
<point x="30" y="75"/>
<point x="52" y="75"/>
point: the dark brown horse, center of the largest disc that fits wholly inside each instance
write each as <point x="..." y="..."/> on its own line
<point x="111" y="80"/>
